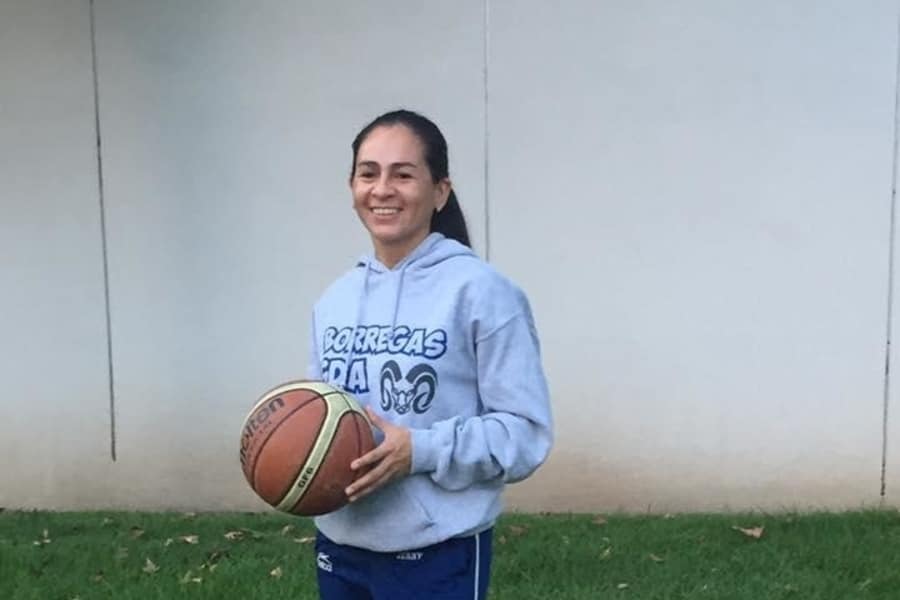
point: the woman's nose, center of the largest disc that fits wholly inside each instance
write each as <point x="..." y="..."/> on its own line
<point x="382" y="187"/>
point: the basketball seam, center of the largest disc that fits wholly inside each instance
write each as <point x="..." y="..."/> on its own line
<point x="306" y="464"/>
<point x="293" y="479"/>
<point x="318" y="469"/>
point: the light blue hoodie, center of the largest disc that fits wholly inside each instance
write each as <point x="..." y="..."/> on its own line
<point x="445" y="346"/>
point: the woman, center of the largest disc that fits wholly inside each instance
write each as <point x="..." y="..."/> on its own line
<point x="442" y="351"/>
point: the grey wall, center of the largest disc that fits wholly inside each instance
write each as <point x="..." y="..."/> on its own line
<point x="54" y="431"/>
<point x="697" y="201"/>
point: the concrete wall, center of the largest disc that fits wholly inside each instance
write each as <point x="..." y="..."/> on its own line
<point x="697" y="202"/>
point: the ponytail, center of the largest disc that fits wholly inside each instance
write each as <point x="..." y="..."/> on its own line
<point x="451" y="222"/>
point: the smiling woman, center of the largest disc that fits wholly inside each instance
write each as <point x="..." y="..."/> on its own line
<point x="401" y="185"/>
<point x="442" y="351"/>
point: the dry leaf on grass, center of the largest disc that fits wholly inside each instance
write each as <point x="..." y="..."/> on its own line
<point x="98" y="578"/>
<point x="607" y="552"/>
<point x="44" y="539"/>
<point x="305" y="540"/>
<point x="276" y="572"/>
<point x="234" y="536"/>
<point x="150" y="567"/>
<point x="517" y="530"/>
<point x="622" y="586"/>
<point x="168" y="542"/>
<point x="189" y="515"/>
<point x="190" y="539"/>
<point x="599" y="520"/>
<point x="189" y="577"/>
<point x="752" y="532"/>
<point x="244" y="532"/>
<point x="136" y="532"/>
<point x="656" y="558"/>
<point x="287" y="529"/>
<point x="502" y="539"/>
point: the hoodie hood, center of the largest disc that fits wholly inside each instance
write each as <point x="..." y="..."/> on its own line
<point x="433" y="250"/>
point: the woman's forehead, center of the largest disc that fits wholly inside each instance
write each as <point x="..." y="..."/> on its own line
<point x="387" y="145"/>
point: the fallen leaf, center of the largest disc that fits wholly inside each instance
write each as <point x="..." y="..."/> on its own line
<point x="107" y="521"/>
<point x="305" y="540"/>
<point x="622" y="586"/>
<point x="189" y="515"/>
<point x="286" y="529"/>
<point x="656" y="558"/>
<point x="98" y="578"/>
<point x="253" y="534"/>
<point x="517" y="530"/>
<point x="599" y="520"/>
<point x="502" y="539"/>
<point x="44" y="539"/>
<point x="234" y="535"/>
<point x="606" y="553"/>
<point x="753" y="532"/>
<point x="136" y="532"/>
<point x="168" y="542"/>
<point x="864" y="584"/>
<point x="276" y="572"/>
<point x="190" y="539"/>
<point x="668" y="516"/>
<point x="189" y="577"/>
<point x="150" y="567"/>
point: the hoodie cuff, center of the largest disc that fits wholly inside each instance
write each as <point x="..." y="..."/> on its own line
<point x="424" y="452"/>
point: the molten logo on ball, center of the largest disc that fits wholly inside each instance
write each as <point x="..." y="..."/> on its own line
<point x="257" y="423"/>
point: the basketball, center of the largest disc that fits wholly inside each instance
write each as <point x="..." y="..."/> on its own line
<point x="297" y="445"/>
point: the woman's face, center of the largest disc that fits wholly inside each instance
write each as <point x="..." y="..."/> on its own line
<point x="393" y="191"/>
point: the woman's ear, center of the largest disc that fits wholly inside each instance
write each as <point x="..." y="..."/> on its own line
<point x="442" y="194"/>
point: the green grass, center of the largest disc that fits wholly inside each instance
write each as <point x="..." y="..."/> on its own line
<point x="104" y="555"/>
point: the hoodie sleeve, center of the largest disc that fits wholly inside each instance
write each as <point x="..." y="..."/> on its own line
<point x="514" y="432"/>
<point x="314" y="363"/>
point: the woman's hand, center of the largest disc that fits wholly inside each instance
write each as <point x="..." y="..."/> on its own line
<point x="389" y="460"/>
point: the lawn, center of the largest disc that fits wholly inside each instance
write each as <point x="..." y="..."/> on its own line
<point x="48" y="555"/>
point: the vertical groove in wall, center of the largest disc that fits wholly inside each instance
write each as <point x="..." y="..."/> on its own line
<point x="890" y="298"/>
<point x="109" y="353"/>
<point x="487" y="205"/>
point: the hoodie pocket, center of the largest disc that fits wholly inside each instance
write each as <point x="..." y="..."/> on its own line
<point x="411" y="492"/>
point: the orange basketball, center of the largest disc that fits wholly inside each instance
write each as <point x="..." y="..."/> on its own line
<point x="297" y="444"/>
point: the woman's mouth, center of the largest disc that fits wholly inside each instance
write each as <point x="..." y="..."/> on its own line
<point x="385" y="212"/>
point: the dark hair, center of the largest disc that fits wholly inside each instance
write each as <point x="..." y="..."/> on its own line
<point x="450" y="220"/>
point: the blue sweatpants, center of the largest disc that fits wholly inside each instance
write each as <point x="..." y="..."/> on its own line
<point x="457" y="569"/>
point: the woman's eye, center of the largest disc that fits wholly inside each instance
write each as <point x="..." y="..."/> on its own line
<point x="404" y="175"/>
<point x="365" y="175"/>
